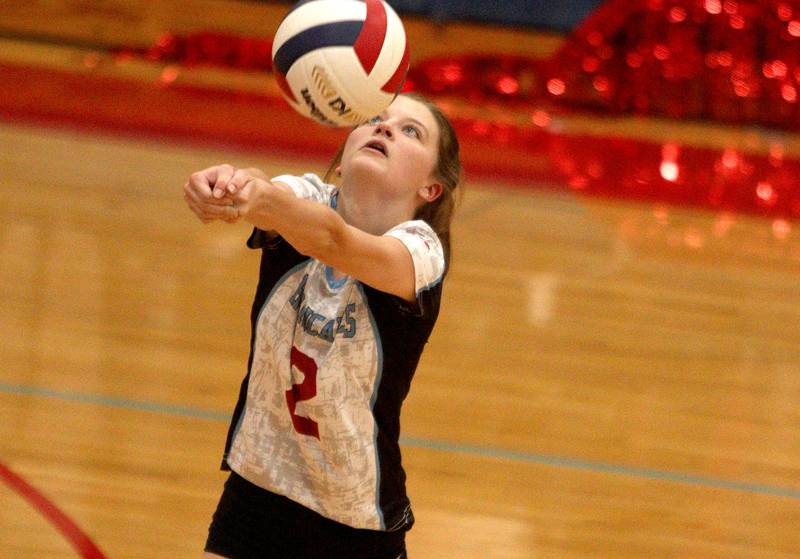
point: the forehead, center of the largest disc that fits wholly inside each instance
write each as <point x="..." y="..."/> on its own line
<point x="406" y="107"/>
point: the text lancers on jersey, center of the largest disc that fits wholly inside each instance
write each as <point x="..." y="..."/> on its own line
<point x="344" y="324"/>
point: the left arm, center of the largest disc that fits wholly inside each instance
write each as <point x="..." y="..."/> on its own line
<point x="315" y="230"/>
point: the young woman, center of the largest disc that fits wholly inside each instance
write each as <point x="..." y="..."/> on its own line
<point x="349" y="291"/>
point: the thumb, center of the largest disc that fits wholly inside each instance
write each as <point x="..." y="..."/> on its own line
<point x="224" y="175"/>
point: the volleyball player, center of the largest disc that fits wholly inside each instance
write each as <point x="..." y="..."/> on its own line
<point x="348" y="294"/>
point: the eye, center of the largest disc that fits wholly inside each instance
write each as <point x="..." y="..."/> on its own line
<point x="412" y="131"/>
<point x="374" y="120"/>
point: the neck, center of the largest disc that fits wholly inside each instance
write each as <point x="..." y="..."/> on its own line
<point x="370" y="210"/>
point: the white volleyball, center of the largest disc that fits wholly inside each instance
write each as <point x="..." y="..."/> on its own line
<point x="340" y="62"/>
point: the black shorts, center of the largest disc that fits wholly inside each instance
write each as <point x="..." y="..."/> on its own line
<point x="252" y="523"/>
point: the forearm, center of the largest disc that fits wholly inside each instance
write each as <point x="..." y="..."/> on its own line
<point x="311" y="228"/>
<point x="316" y="230"/>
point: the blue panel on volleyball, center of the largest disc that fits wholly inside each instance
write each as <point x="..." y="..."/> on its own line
<point x="339" y="34"/>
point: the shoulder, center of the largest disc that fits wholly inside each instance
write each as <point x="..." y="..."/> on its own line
<point x="308" y="186"/>
<point x="426" y="251"/>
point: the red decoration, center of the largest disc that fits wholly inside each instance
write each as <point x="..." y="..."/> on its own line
<point x="730" y="61"/>
<point x="208" y="49"/>
<point x="734" y="61"/>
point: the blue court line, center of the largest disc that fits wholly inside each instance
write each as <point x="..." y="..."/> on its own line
<point x="604" y="468"/>
<point x="430" y="444"/>
<point x="112" y="402"/>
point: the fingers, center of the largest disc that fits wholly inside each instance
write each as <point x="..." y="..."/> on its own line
<point x="196" y="206"/>
<point x="198" y="193"/>
<point x="207" y="209"/>
<point x="246" y="194"/>
<point x="224" y="177"/>
<point x="219" y="192"/>
<point x="198" y="199"/>
<point x="206" y="179"/>
<point x="232" y="184"/>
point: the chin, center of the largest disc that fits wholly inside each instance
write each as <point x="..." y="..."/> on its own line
<point x="367" y="166"/>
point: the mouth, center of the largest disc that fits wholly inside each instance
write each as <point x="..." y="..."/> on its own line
<point x="377" y="146"/>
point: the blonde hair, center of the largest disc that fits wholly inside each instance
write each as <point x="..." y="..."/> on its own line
<point x="439" y="213"/>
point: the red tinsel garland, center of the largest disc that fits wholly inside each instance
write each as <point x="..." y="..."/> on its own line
<point x="731" y="61"/>
<point x="721" y="60"/>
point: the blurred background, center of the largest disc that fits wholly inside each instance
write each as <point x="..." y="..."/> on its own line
<point x="615" y="372"/>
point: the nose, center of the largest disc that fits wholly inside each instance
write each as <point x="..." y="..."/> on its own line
<point x="384" y="128"/>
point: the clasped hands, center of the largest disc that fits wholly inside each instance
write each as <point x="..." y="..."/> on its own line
<point x="222" y="192"/>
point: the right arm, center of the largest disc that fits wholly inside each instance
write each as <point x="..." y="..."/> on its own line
<point x="316" y="230"/>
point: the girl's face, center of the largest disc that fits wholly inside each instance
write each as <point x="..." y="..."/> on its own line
<point x="399" y="148"/>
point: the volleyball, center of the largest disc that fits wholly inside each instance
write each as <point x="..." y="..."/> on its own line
<point x="340" y="62"/>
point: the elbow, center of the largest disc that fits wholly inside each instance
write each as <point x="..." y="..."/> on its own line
<point x="334" y="237"/>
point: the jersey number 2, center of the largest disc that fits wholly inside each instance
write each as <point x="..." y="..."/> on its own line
<point x="303" y="391"/>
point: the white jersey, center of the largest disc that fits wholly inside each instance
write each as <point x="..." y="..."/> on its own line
<point x="331" y="363"/>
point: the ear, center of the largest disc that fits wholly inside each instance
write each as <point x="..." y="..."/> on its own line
<point x="430" y="192"/>
<point x="338" y="171"/>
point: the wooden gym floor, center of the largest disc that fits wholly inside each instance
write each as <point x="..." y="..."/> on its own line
<point x="607" y="379"/>
<point x="593" y="388"/>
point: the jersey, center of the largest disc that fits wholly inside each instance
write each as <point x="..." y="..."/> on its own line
<point x="331" y="361"/>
